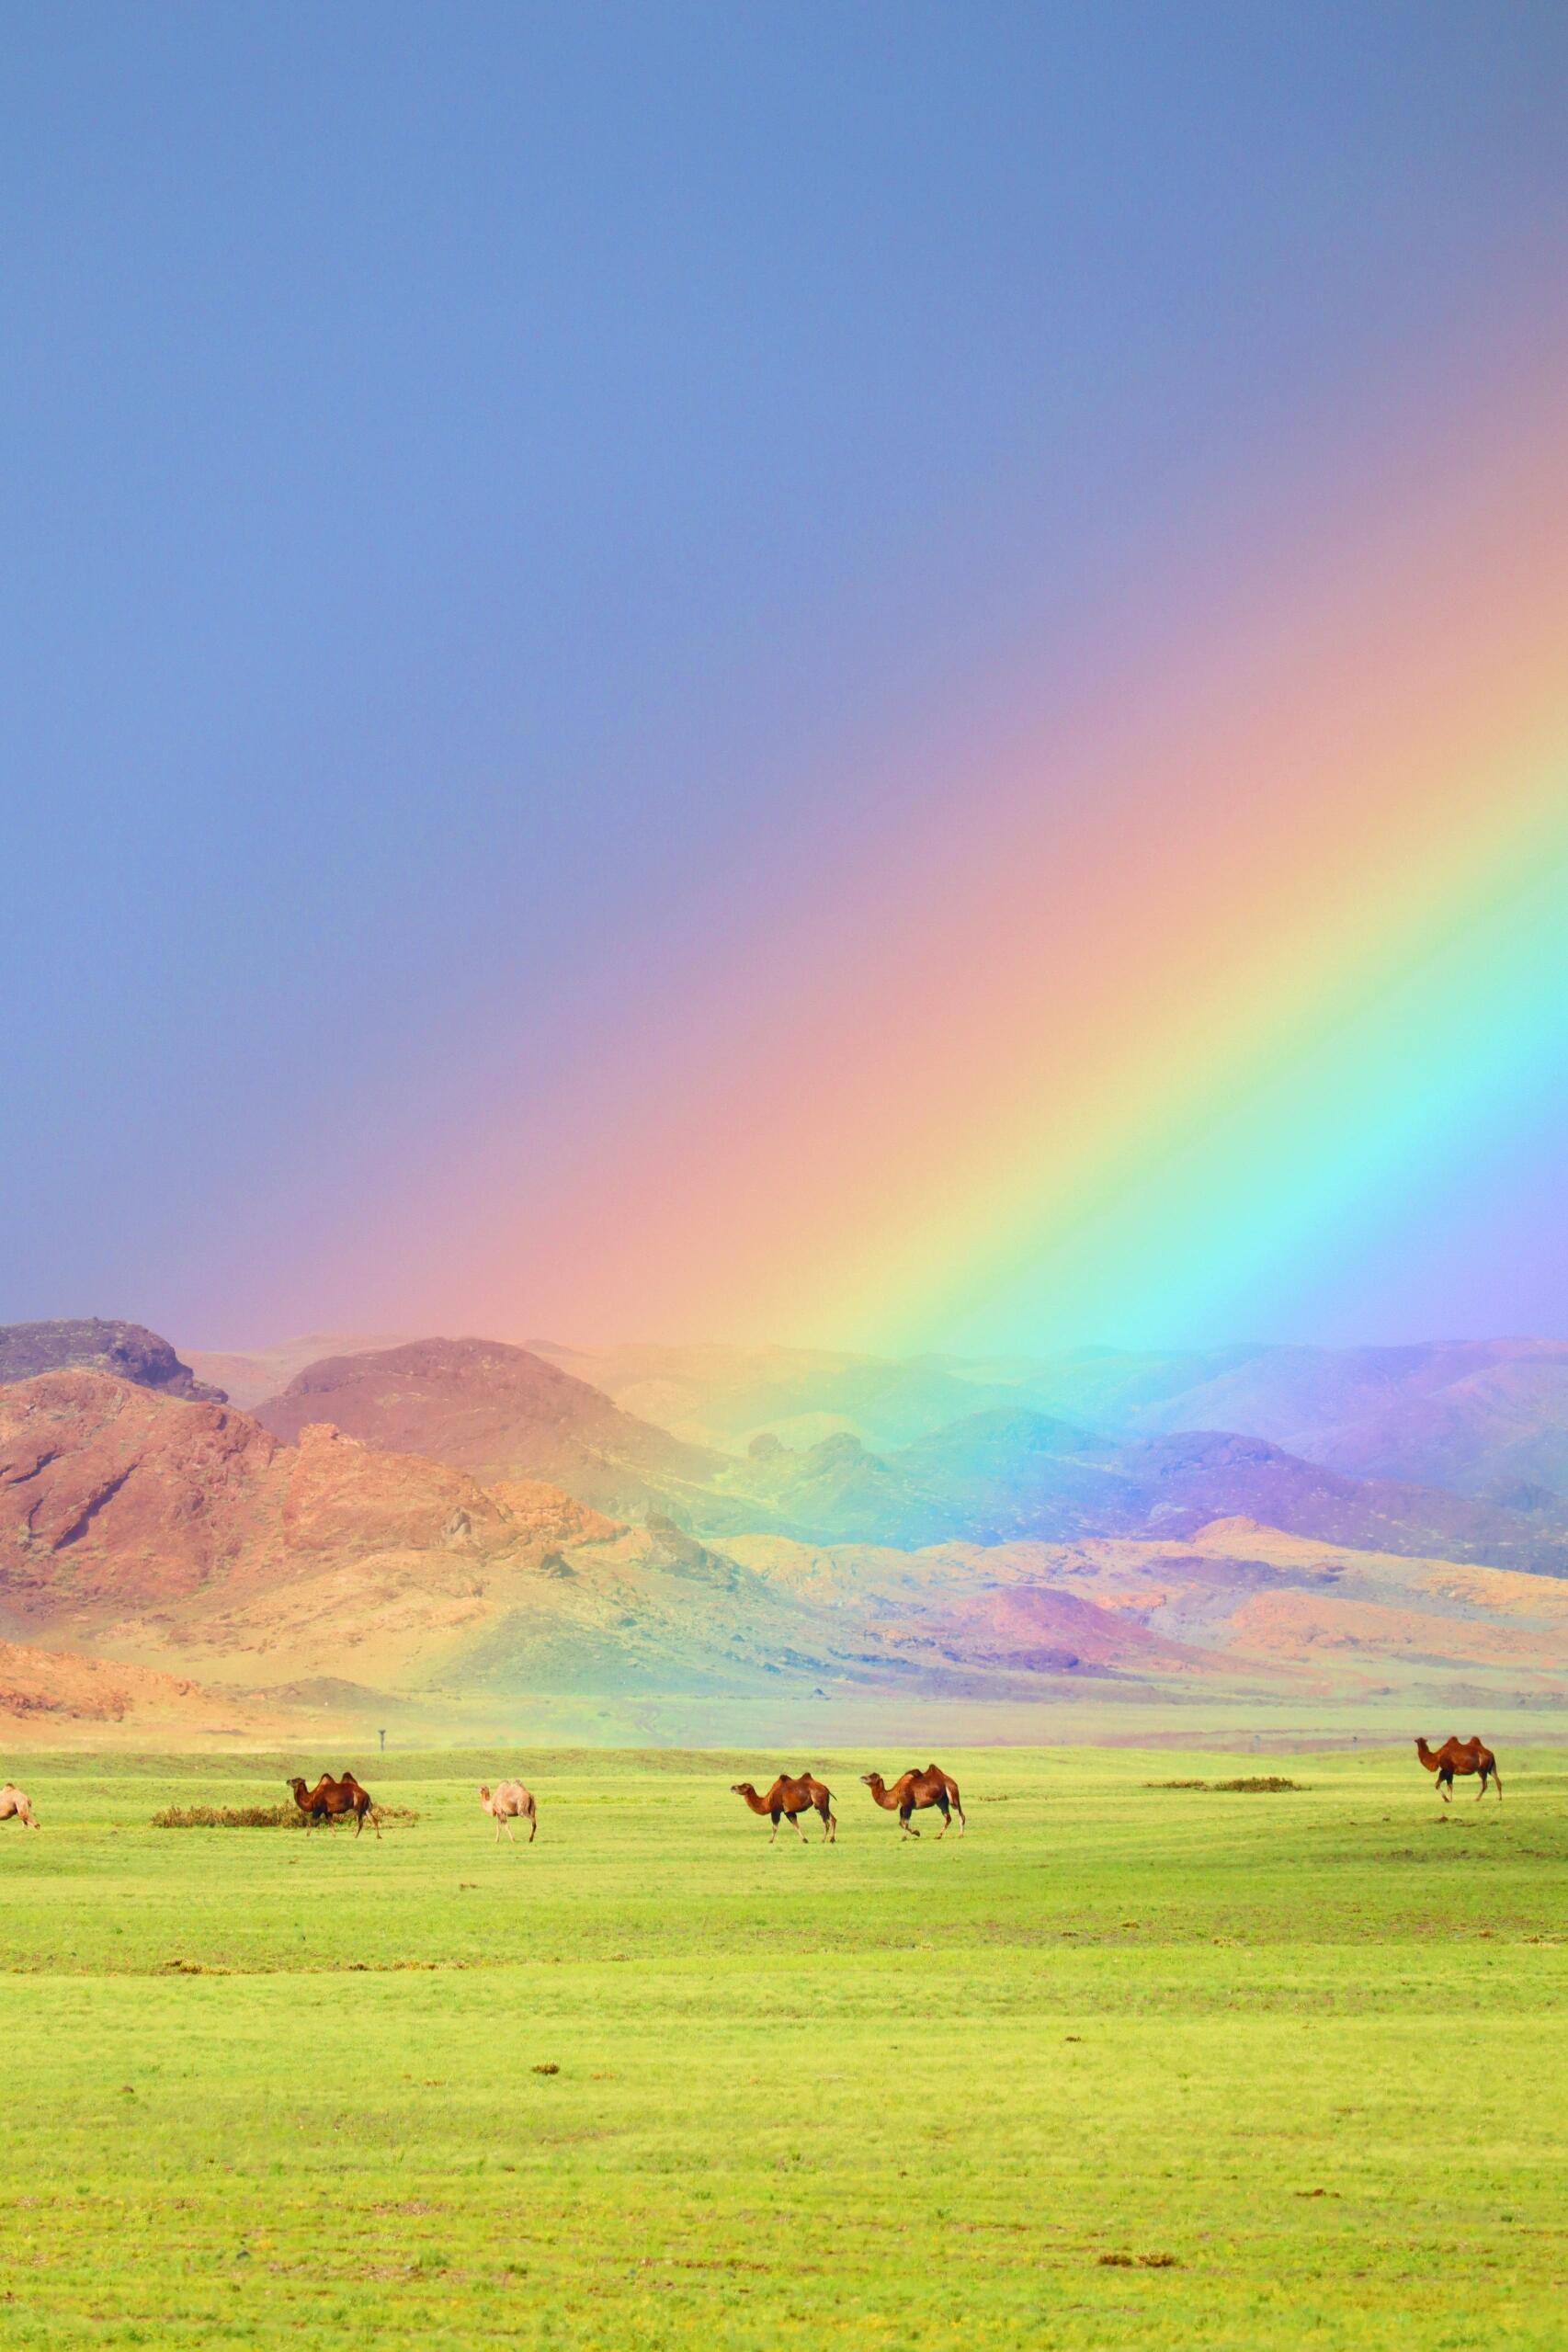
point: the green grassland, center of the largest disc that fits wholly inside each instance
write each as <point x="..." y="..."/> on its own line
<point x="1128" y="2066"/>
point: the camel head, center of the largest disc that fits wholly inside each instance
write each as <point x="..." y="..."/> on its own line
<point x="873" y="1780"/>
<point x="741" y="1789"/>
<point x="298" y="1787"/>
<point x="483" y="1794"/>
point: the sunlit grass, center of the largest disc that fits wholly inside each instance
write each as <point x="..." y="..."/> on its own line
<point x="1128" y="2064"/>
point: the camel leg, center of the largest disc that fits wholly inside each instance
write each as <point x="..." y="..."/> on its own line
<point x="942" y="1807"/>
<point x="794" y="1820"/>
<point x="904" y="1811"/>
<point x="1482" y="1790"/>
<point x="533" y="1827"/>
<point x="774" y="1835"/>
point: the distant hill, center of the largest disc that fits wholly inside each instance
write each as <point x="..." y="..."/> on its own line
<point x="1483" y="1417"/>
<point x="248" y="1376"/>
<point x="1488" y="1418"/>
<point x="998" y="1477"/>
<point x="723" y="1397"/>
<point x="127" y="1349"/>
<point x="498" y="1412"/>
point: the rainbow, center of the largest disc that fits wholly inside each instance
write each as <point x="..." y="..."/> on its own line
<point x="1180" y="1009"/>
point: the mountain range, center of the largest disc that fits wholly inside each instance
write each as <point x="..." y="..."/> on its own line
<point x="441" y="1525"/>
<point x="1487" y="1418"/>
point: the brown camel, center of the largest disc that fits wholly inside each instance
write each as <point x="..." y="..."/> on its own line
<point x="312" y="1802"/>
<point x="12" y="1801"/>
<point x="1463" y="1757"/>
<point x="332" y="1801"/>
<point x="510" y="1803"/>
<point x="912" y="1791"/>
<point x="788" y="1799"/>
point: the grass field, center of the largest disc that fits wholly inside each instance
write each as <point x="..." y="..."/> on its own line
<point x="1126" y="2065"/>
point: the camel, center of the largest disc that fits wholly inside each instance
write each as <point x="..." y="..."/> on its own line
<point x="912" y="1791"/>
<point x="1463" y="1757"/>
<point x="312" y="1802"/>
<point x="510" y="1803"/>
<point x="789" y="1798"/>
<point x="359" y="1802"/>
<point x="332" y="1801"/>
<point x="12" y="1801"/>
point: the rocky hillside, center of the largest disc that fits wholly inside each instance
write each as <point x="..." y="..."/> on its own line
<point x="175" y="1563"/>
<point x="185" y="1540"/>
<point x="114" y="1501"/>
<point x="126" y="1349"/>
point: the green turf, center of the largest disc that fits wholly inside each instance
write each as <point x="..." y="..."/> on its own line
<point x="261" y="2089"/>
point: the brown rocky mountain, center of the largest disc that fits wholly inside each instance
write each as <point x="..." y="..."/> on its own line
<point x="184" y="1539"/>
<point x="500" y="1412"/>
<point x="127" y="1349"/>
<point x="116" y="1500"/>
<point x="173" y="1564"/>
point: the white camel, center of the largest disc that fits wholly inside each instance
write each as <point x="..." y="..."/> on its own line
<point x="12" y="1801"/>
<point x="510" y="1803"/>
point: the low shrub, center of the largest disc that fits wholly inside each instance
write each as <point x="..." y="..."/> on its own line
<point x="1267" y="1782"/>
<point x="252" y="1816"/>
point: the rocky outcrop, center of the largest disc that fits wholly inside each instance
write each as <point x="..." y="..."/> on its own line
<point x="111" y="1494"/>
<point x="126" y="1349"/>
<point x="116" y="1500"/>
